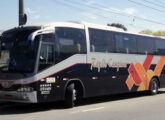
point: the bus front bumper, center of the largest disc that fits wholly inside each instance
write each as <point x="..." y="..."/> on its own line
<point x="14" y="96"/>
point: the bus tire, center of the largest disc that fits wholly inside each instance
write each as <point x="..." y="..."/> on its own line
<point x="71" y="95"/>
<point x="154" y="87"/>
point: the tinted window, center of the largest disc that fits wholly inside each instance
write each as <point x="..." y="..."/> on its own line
<point x="146" y="45"/>
<point x="160" y="47"/>
<point x="101" y="41"/>
<point x="48" y="38"/>
<point x="98" y="41"/>
<point x="130" y="43"/>
<point x="69" y="41"/>
<point x="125" y="43"/>
<point x="17" y="53"/>
<point x="111" y="45"/>
<point x="119" y="44"/>
<point x="46" y="58"/>
<point x="46" y="54"/>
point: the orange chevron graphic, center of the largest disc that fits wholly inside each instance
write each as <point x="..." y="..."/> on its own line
<point x="140" y="75"/>
<point x="159" y="66"/>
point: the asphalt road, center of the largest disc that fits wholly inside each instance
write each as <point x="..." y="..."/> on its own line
<point x="136" y="106"/>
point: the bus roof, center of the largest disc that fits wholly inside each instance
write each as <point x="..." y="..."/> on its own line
<point x="81" y="25"/>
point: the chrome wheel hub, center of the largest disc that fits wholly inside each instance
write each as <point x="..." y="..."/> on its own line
<point x="154" y="87"/>
<point x="74" y="95"/>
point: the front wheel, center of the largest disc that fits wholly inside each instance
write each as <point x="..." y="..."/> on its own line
<point x="71" y="95"/>
<point x="153" y="89"/>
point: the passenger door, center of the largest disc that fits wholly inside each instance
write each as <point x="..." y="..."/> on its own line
<point x="45" y="60"/>
<point x="46" y="57"/>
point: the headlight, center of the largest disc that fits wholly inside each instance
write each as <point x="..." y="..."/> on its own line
<point x="25" y="89"/>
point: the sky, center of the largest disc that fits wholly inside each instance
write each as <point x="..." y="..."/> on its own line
<point x="136" y="15"/>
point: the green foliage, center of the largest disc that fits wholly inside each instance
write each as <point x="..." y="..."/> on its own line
<point x="118" y="25"/>
<point x="150" y="32"/>
<point x="159" y="33"/>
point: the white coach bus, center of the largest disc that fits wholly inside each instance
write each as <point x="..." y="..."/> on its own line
<point x="68" y="61"/>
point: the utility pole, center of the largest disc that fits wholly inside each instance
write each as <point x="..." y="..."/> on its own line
<point x="22" y="15"/>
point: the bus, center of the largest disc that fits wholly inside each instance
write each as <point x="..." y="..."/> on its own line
<point x="69" y="61"/>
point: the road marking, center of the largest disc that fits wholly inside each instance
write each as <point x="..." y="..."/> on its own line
<point x="94" y="109"/>
<point x="88" y="110"/>
<point x="75" y="112"/>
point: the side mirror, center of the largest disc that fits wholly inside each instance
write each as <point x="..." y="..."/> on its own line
<point x="24" y="19"/>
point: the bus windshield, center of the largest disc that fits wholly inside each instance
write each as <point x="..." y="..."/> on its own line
<point x="17" y="53"/>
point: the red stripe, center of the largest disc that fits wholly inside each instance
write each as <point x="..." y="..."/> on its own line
<point x="134" y="74"/>
<point x="54" y="73"/>
<point x="147" y="62"/>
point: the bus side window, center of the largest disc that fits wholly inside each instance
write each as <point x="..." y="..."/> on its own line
<point x="92" y="48"/>
<point x="120" y="44"/>
<point x="146" y="46"/>
<point x="160" y="47"/>
<point x="98" y="40"/>
<point x="69" y="41"/>
<point x="46" y="54"/>
<point x="130" y="44"/>
<point x="111" y="42"/>
<point x="126" y="43"/>
<point x="46" y="57"/>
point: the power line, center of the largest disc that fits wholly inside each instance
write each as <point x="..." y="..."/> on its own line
<point x="153" y="3"/>
<point x="105" y="17"/>
<point x="160" y="1"/>
<point x="116" y="12"/>
<point x="141" y="4"/>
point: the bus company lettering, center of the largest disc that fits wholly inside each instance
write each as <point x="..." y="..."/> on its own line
<point x="106" y="63"/>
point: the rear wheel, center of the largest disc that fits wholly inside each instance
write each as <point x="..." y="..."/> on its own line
<point x="71" y="95"/>
<point x="154" y="87"/>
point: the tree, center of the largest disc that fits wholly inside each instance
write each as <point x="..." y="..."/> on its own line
<point x="159" y="33"/>
<point x="150" y="32"/>
<point x="147" y="31"/>
<point x="118" y="25"/>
